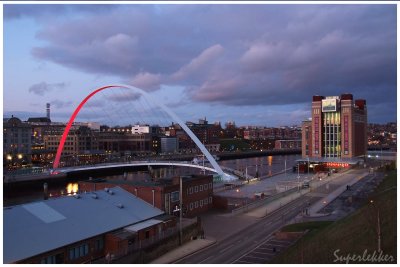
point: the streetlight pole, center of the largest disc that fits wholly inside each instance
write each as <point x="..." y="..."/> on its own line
<point x="285" y="168"/>
<point x="180" y="211"/>
<point x="298" y="176"/>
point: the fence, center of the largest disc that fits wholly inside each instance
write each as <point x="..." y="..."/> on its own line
<point x="115" y="256"/>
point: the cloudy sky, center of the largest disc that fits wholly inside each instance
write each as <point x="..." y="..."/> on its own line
<point x="252" y="64"/>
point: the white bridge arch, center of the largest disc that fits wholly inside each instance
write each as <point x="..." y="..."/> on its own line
<point x="203" y="149"/>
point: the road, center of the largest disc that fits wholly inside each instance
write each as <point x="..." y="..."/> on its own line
<point x="233" y="247"/>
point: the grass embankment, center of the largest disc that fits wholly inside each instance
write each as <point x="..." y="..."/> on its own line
<point x="352" y="235"/>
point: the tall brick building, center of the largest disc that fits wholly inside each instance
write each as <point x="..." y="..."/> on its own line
<point x="338" y="128"/>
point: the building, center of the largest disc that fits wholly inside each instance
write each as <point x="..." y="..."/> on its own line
<point x="197" y="192"/>
<point x="16" y="143"/>
<point x="288" y="144"/>
<point x="81" y="228"/>
<point x="169" y="144"/>
<point x="140" y="129"/>
<point x="338" y="128"/>
<point x="306" y="139"/>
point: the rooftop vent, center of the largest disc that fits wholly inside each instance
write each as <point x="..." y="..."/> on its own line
<point x="121" y="206"/>
<point x="77" y="196"/>
<point x="94" y="196"/>
<point x="110" y="192"/>
<point x="106" y="189"/>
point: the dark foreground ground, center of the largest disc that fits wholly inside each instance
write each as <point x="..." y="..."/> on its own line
<point x="353" y="239"/>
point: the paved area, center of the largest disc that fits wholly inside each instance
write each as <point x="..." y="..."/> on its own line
<point x="318" y="210"/>
<point x="266" y="251"/>
<point x="266" y="185"/>
<point x="229" y="225"/>
<point x="184" y="250"/>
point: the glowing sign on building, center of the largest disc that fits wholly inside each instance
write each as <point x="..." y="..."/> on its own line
<point x="329" y="105"/>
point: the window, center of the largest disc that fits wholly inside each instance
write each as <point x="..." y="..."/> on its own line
<point x="77" y="252"/>
<point x="49" y="260"/>
<point x="206" y="201"/>
<point x="196" y="204"/>
<point x="210" y="200"/>
<point x="201" y="188"/>
<point x="99" y="244"/>
<point x="175" y="196"/>
<point x="210" y="186"/>
<point x="191" y="206"/>
<point x="58" y="258"/>
<point x="206" y="187"/>
<point x="201" y="203"/>
<point x="196" y="189"/>
<point x="191" y="190"/>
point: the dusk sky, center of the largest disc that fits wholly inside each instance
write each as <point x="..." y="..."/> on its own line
<point x="252" y="64"/>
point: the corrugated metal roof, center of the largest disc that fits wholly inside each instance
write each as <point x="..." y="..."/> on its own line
<point x="142" y="225"/>
<point x="28" y="230"/>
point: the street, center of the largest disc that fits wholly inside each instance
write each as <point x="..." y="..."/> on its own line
<point x="235" y="246"/>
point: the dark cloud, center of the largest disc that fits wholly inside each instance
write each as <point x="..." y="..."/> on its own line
<point x="43" y="87"/>
<point x="61" y="104"/>
<point x="48" y="10"/>
<point x="235" y="54"/>
<point x="126" y="97"/>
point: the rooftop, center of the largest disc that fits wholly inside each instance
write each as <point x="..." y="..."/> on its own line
<point x="38" y="227"/>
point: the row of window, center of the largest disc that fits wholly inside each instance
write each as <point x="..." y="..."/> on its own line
<point x="74" y="253"/>
<point x="198" y="188"/>
<point x="200" y="203"/>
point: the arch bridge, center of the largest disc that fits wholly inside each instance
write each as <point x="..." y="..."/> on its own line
<point x="206" y="153"/>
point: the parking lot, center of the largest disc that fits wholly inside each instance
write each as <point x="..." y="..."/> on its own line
<point x="265" y="252"/>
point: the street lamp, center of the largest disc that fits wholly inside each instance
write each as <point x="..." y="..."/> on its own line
<point x="378" y="226"/>
<point x="298" y="176"/>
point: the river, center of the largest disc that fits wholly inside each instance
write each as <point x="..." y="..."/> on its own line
<point x="264" y="166"/>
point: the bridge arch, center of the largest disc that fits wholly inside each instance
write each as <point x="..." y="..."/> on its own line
<point x="153" y="100"/>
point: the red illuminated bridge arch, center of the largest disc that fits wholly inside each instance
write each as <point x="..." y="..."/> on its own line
<point x="152" y="99"/>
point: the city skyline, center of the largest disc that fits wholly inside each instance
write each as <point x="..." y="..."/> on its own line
<point x="260" y="69"/>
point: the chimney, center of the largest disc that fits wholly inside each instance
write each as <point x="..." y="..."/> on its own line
<point x="48" y="110"/>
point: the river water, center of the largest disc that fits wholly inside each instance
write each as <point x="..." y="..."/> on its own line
<point x="264" y="166"/>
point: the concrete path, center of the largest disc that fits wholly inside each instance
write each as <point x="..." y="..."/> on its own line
<point x="314" y="209"/>
<point x="184" y="250"/>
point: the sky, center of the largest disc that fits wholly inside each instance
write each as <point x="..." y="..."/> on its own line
<point x="252" y="64"/>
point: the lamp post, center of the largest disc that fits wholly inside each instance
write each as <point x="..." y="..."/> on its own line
<point x="180" y="211"/>
<point x="378" y="226"/>
<point x="298" y="176"/>
<point x="285" y="168"/>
